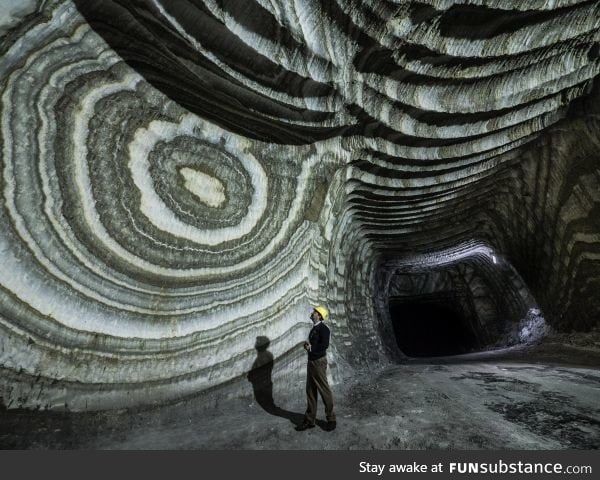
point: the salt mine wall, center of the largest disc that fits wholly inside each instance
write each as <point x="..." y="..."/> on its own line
<point x="182" y="180"/>
<point x="551" y="213"/>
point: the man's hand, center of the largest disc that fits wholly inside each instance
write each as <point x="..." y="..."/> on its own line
<point x="307" y="346"/>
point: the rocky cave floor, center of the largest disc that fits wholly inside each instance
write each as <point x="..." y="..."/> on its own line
<point x="544" y="397"/>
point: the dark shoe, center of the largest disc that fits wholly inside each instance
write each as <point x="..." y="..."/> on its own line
<point x="304" y="426"/>
<point x="330" y="426"/>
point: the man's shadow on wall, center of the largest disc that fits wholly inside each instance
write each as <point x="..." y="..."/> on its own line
<point x="260" y="376"/>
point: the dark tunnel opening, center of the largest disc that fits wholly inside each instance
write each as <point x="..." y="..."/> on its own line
<point x="431" y="326"/>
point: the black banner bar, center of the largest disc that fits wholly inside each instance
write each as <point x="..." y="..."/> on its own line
<point x="292" y="465"/>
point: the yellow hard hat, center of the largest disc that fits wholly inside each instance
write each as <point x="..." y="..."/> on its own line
<point x="322" y="311"/>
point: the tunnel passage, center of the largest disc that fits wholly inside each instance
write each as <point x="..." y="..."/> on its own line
<point x="471" y="302"/>
<point x="434" y="325"/>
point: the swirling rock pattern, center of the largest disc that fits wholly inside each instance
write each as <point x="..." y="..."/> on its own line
<point x="182" y="177"/>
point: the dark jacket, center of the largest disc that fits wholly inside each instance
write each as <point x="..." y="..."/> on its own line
<point x="319" y="341"/>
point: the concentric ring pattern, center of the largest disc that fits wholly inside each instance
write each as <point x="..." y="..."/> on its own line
<point x="181" y="177"/>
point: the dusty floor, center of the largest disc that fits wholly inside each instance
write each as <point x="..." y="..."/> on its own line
<point x="548" y="399"/>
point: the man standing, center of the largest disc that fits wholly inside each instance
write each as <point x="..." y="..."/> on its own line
<point x="316" y="371"/>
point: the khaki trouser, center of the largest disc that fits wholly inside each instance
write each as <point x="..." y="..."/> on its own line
<point x="316" y="381"/>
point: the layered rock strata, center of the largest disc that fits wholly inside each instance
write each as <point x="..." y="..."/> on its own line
<point x="180" y="178"/>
